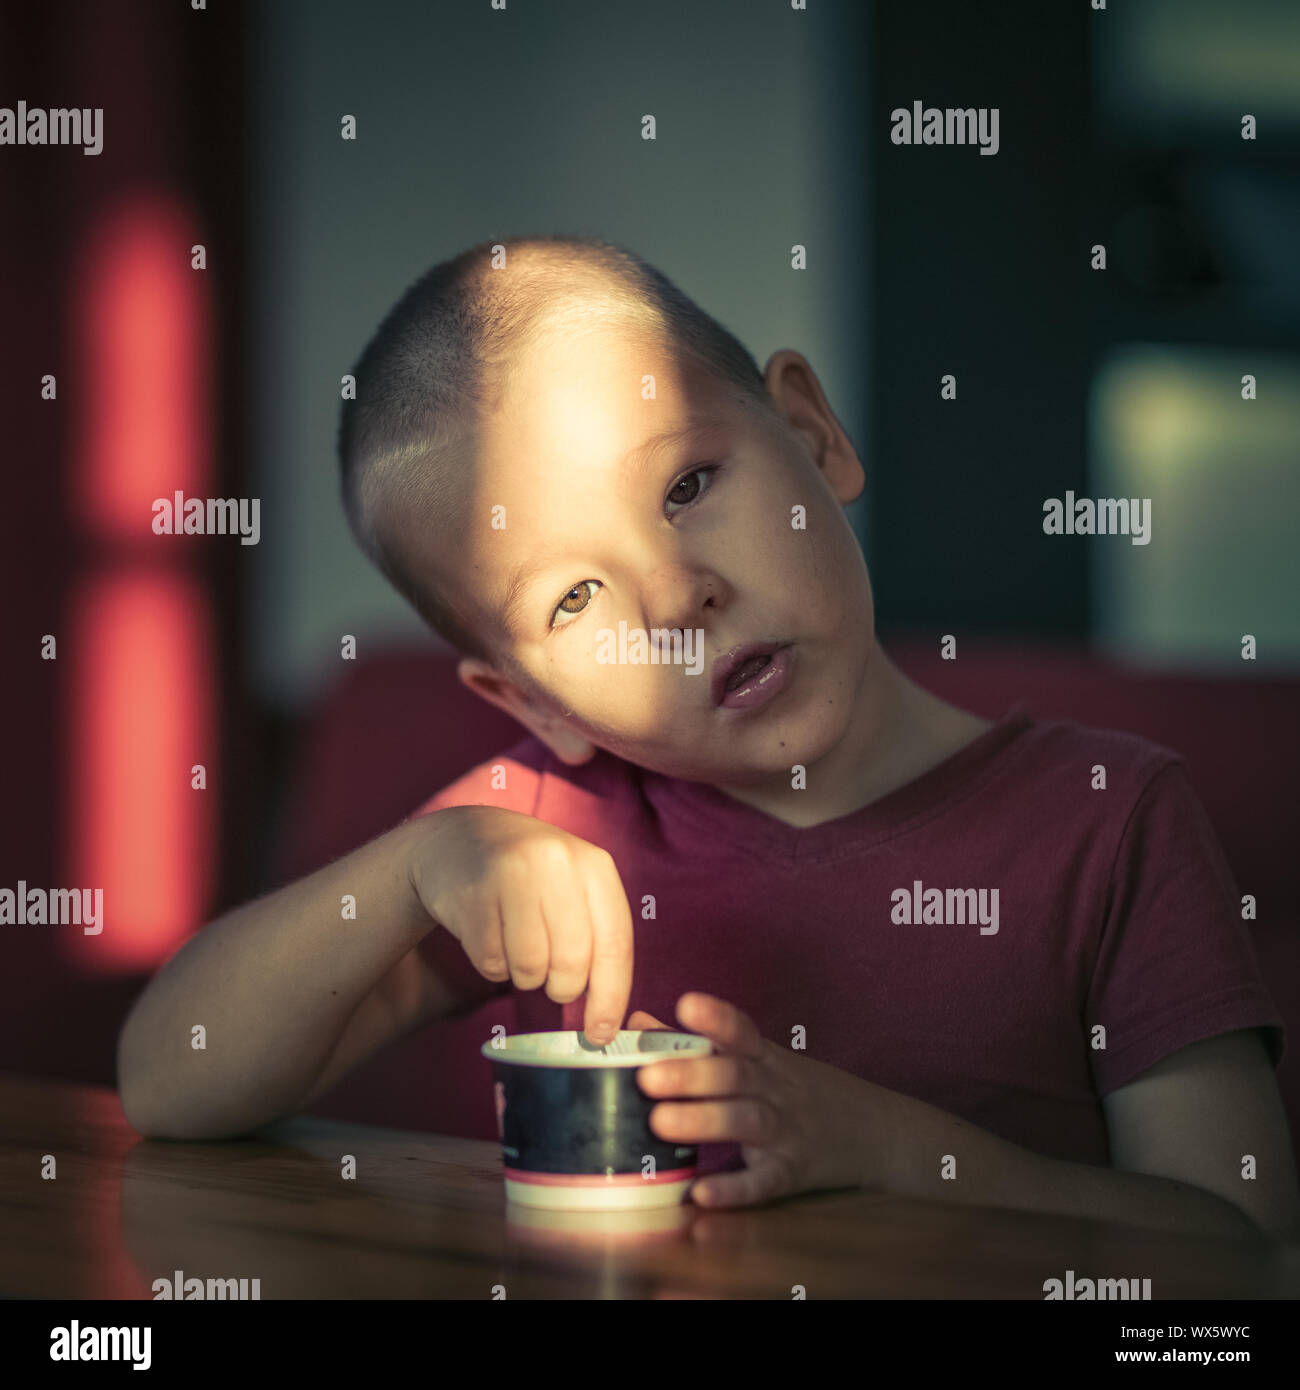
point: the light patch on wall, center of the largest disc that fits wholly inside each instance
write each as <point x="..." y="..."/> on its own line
<point x="1164" y="66"/>
<point x="141" y="701"/>
<point x="142" y="715"/>
<point x="1170" y="424"/>
<point x="142" y="339"/>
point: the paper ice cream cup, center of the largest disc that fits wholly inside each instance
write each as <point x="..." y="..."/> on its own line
<point x="575" y="1126"/>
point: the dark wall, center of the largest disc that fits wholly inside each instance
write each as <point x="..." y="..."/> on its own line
<point x="980" y="270"/>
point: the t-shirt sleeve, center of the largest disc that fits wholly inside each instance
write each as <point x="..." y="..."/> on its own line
<point x="1175" y="962"/>
<point x="502" y="781"/>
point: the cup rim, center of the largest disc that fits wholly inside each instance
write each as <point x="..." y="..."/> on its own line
<point x="680" y="1045"/>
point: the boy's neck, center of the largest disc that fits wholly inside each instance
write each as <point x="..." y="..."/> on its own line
<point x="897" y="732"/>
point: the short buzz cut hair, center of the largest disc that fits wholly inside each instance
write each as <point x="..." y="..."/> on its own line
<point x="445" y="351"/>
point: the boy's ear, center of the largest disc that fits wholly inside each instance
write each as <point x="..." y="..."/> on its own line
<point x="798" y="395"/>
<point x="539" y="719"/>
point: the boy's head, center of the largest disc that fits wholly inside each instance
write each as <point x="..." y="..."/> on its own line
<point x="496" y="467"/>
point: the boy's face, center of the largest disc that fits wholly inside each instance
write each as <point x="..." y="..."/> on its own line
<point x="589" y="535"/>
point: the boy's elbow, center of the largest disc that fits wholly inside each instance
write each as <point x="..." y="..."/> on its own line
<point x="143" y="1113"/>
<point x="132" y="1093"/>
<point x="154" y="1116"/>
<point x="147" y="1111"/>
<point x="128" y="1091"/>
<point x="145" y="1124"/>
<point x="153" y="1121"/>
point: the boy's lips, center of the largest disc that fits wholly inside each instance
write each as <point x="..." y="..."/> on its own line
<point x="730" y="662"/>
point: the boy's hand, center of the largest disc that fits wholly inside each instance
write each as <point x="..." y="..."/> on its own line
<point x="802" y="1125"/>
<point x="532" y="904"/>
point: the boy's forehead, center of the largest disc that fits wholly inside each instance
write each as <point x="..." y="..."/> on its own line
<point x="584" y="412"/>
<point x="585" y="400"/>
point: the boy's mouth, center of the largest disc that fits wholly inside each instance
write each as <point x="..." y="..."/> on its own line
<point x="742" y="670"/>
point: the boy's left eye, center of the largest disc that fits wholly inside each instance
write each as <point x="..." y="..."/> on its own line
<point x="581" y="599"/>
<point x="685" y="483"/>
<point x="575" y="595"/>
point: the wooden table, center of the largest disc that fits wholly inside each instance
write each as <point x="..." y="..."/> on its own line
<point x="426" y="1217"/>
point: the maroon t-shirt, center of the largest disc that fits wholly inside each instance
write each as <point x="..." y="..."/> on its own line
<point x="1115" y="937"/>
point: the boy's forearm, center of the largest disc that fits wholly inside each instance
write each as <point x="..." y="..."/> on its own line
<point x="991" y="1171"/>
<point x="273" y="984"/>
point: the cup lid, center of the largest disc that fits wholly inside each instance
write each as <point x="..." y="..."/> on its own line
<point x="631" y="1047"/>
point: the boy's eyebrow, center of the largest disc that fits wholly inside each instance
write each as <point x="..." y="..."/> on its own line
<point x="644" y="452"/>
<point x="635" y="458"/>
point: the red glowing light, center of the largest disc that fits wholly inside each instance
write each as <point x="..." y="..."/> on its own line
<point x="142" y="367"/>
<point x="139" y="644"/>
<point x="139" y="655"/>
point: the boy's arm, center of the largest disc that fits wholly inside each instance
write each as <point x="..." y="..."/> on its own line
<point x="1199" y="1114"/>
<point x="418" y="990"/>
<point x="1178" y="1135"/>
<point x="290" y="994"/>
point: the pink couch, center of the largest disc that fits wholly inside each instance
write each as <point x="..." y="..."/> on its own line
<point x="400" y="726"/>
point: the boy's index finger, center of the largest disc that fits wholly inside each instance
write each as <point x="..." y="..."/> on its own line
<point x="609" y="987"/>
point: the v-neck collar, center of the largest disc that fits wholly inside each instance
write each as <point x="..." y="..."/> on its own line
<point x="893" y="814"/>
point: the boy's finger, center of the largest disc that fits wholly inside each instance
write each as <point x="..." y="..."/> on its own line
<point x="761" y="1183"/>
<point x="528" y="948"/>
<point x="722" y="1023"/>
<point x="748" y="1120"/>
<point x="703" y="1076"/>
<point x="568" y="925"/>
<point x="482" y="938"/>
<point x="610" y="985"/>
<point x="638" y="1018"/>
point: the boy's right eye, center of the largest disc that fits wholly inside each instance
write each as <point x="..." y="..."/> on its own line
<point x="575" y="594"/>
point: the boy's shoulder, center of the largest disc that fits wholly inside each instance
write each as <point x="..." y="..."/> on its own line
<point x="1091" y="778"/>
<point x="1020" y="747"/>
<point x="518" y="778"/>
<point x="1053" y="745"/>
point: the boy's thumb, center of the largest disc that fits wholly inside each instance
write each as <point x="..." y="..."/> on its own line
<point x="638" y="1018"/>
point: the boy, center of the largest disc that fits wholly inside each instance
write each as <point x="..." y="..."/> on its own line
<point x="936" y="957"/>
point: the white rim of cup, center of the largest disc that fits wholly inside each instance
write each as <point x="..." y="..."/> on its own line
<point x="674" y="1045"/>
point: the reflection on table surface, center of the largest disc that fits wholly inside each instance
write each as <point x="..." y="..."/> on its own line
<point x="426" y="1217"/>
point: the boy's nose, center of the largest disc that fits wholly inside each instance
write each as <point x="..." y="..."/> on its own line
<point x="681" y="596"/>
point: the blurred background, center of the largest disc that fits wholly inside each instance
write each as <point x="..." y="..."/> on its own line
<point x="1120" y="128"/>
